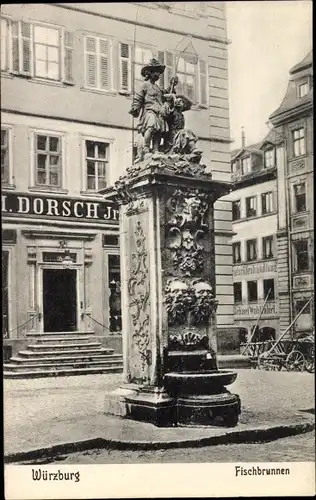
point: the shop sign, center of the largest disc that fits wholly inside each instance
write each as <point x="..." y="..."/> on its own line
<point x="49" y="206"/>
<point x="255" y="309"/>
<point x="257" y="268"/>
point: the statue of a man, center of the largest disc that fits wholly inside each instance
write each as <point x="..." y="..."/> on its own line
<point x="150" y="104"/>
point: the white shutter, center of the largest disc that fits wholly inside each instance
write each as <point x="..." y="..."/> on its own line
<point x="170" y="68"/>
<point x="25" y="48"/>
<point x="203" y="83"/>
<point x="104" y="48"/>
<point x="125" y="67"/>
<point x="91" y="61"/>
<point x="15" y="47"/>
<point x="68" y="57"/>
<point x="4" y="45"/>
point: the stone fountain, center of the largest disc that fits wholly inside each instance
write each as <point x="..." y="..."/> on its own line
<point x="170" y="374"/>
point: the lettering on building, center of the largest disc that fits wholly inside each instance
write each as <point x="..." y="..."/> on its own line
<point x="258" y="268"/>
<point x="68" y="208"/>
<point x="254" y="310"/>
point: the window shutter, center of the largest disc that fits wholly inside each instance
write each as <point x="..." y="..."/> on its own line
<point x="4" y="45"/>
<point x="91" y="62"/>
<point x="161" y="59"/>
<point x="203" y="83"/>
<point x="125" y="67"/>
<point x="15" y="47"/>
<point x="68" y="57"/>
<point x="169" y="71"/>
<point x="104" y="64"/>
<point x="26" y="48"/>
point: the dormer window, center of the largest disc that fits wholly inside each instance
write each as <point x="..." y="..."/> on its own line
<point x="269" y="158"/>
<point x="246" y="165"/>
<point x="303" y="89"/>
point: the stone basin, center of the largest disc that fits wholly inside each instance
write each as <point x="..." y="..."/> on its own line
<point x="206" y="382"/>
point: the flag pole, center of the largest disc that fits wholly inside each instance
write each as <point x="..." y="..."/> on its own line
<point x="133" y="82"/>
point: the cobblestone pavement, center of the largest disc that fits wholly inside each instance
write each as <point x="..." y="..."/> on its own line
<point x="292" y="449"/>
<point x="33" y="404"/>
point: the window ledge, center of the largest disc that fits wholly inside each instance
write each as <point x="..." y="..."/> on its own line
<point x="5" y="74"/>
<point x="47" y="189"/>
<point x="51" y="83"/>
<point x="98" y="91"/>
<point x="254" y="217"/>
<point x="258" y="261"/>
<point x="11" y="187"/>
<point x="298" y="214"/>
<point x="91" y="194"/>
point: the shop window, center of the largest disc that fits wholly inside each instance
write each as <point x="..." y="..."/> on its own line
<point x="305" y="320"/>
<point x="252" y="291"/>
<point x="301" y="255"/>
<point x="300" y="197"/>
<point x="236" y="210"/>
<point x="299" y="142"/>
<point x="267" y="203"/>
<point x="97" y="159"/>
<point x="114" y="276"/>
<point x="267" y="247"/>
<point x="246" y="165"/>
<point x="48" y="160"/>
<point x="236" y="252"/>
<point x="5" y="294"/>
<point x="5" y="156"/>
<point x="251" y="206"/>
<point x="269" y="158"/>
<point x="243" y="334"/>
<point x="269" y="285"/>
<point x="237" y="293"/>
<point x="251" y="250"/>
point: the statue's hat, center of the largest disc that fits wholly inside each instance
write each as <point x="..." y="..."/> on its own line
<point x="187" y="103"/>
<point x="154" y="65"/>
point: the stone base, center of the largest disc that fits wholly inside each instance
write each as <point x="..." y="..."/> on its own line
<point x="211" y="409"/>
<point x="115" y="402"/>
<point x="152" y="405"/>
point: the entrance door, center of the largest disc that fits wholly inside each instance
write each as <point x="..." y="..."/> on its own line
<point x="59" y="300"/>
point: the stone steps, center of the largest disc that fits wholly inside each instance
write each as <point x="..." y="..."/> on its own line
<point x="62" y="354"/>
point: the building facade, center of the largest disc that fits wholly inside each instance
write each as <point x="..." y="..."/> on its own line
<point x="66" y="133"/>
<point x="293" y="120"/>
<point x="272" y="210"/>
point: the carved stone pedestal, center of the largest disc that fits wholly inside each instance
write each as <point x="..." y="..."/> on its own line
<point x="168" y="296"/>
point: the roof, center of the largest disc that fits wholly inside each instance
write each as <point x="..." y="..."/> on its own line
<point x="306" y="62"/>
<point x="273" y="137"/>
<point x="250" y="148"/>
<point x="291" y="99"/>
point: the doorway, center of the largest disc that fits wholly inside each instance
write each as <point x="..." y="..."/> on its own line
<point x="60" y="300"/>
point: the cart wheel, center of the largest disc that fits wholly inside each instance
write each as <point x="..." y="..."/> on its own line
<point x="295" y="361"/>
<point x="310" y="363"/>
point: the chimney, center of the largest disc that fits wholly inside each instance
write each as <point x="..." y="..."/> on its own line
<point x="243" y="138"/>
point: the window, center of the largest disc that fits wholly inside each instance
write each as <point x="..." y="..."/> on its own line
<point x="125" y="68"/>
<point x="234" y="167"/>
<point x="268" y="285"/>
<point x="267" y="247"/>
<point x="269" y="158"/>
<point x="267" y="203"/>
<point x="251" y="206"/>
<point x="5" y="166"/>
<point x="237" y="293"/>
<point x="97" y="158"/>
<point x="300" y="197"/>
<point x="114" y="279"/>
<point x="246" y="165"/>
<point x="41" y="51"/>
<point x="142" y="56"/>
<point x="187" y="73"/>
<point x="47" y="52"/>
<point x="303" y="89"/>
<point x="48" y="160"/>
<point x="4" y="45"/>
<point x="252" y="291"/>
<point x="251" y="250"/>
<point x="299" y="142"/>
<point x="236" y="252"/>
<point x="299" y="305"/>
<point x="236" y="210"/>
<point x="301" y="252"/>
<point x="97" y="63"/>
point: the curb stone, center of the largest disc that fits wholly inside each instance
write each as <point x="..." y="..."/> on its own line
<point x="255" y="435"/>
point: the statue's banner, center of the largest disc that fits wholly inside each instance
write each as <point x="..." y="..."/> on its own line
<point x="22" y="204"/>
